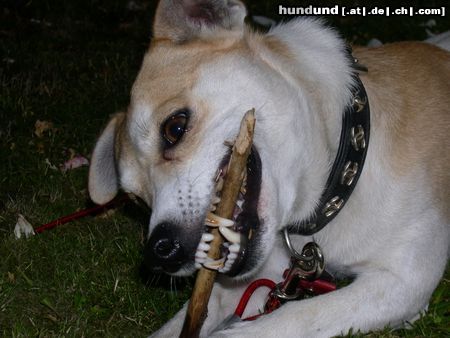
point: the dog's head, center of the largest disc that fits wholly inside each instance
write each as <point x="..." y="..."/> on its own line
<point x="203" y="71"/>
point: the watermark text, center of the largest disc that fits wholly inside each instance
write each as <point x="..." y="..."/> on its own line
<point x="361" y="11"/>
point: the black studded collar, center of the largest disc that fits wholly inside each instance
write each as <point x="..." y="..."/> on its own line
<point x="349" y="162"/>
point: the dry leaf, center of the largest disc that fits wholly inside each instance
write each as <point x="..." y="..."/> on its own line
<point x="23" y="227"/>
<point x="11" y="277"/>
<point x="40" y="127"/>
<point x="50" y="165"/>
<point x="75" y="162"/>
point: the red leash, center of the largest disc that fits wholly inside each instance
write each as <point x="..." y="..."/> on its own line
<point x="317" y="287"/>
<point x="82" y="213"/>
<point x="248" y="294"/>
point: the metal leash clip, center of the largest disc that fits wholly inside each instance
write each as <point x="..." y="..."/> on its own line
<point x="307" y="265"/>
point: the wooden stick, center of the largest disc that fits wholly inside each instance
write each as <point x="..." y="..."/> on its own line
<point x="198" y="305"/>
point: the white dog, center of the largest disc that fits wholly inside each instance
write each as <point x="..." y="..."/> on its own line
<point x="203" y="71"/>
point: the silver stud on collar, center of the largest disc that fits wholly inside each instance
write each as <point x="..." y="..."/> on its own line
<point x="333" y="206"/>
<point x="349" y="173"/>
<point x="359" y="103"/>
<point x="358" y="139"/>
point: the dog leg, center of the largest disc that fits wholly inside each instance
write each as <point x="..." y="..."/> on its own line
<point x="389" y="290"/>
<point x="367" y="303"/>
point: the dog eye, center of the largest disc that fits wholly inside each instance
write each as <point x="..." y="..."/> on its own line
<point x="174" y="127"/>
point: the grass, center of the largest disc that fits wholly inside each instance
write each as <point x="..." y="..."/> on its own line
<point x="73" y="63"/>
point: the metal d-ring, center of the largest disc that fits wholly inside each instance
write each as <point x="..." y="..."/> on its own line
<point x="294" y="253"/>
<point x="310" y="263"/>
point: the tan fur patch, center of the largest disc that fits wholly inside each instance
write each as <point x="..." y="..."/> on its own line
<point x="170" y="70"/>
<point x="409" y="91"/>
<point x="165" y="82"/>
<point x="279" y="48"/>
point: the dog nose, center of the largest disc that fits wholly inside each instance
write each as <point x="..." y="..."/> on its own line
<point x="164" y="249"/>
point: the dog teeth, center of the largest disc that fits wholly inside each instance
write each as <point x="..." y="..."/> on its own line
<point x="219" y="185"/>
<point x="231" y="258"/>
<point x="201" y="254"/>
<point x="227" y="266"/>
<point x="207" y="237"/>
<point x="235" y="248"/>
<point x="224" y="264"/>
<point x="216" y="200"/>
<point x="215" y="221"/>
<point x="239" y="203"/>
<point x="230" y="235"/>
<point x="200" y="258"/>
<point x="214" y="264"/>
<point x="225" y="269"/>
<point x="204" y="247"/>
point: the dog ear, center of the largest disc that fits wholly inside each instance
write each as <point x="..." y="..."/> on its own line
<point x="103" y="178"/>
<point x="182" y="20"/>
